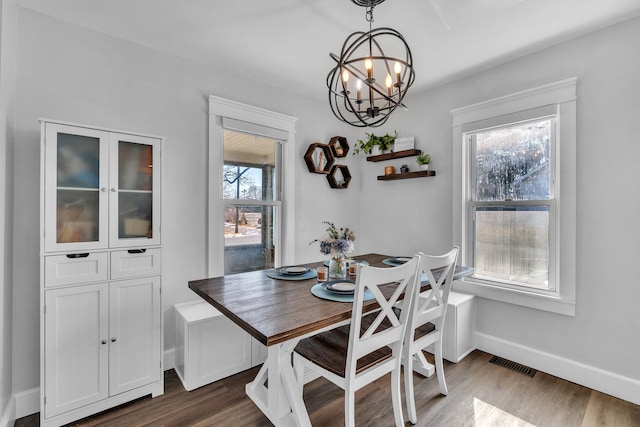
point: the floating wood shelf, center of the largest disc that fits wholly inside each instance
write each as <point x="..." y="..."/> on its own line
<point x="346" y="176"/>
<point x="342" y="141"/>
<point x="311" y="162"/>
<point x="417" y="174"/>
<point x="394" y="155"/>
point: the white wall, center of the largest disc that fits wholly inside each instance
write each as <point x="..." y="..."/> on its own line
<point x="604" y="333"/>
<point x="8" y="31"/>
<point x="71" y="74"/>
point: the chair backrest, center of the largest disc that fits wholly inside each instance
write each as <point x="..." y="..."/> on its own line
<point x="363" y="342"/>
<point x="431" y="305"/>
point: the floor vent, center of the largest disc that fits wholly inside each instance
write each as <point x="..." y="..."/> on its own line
<point x="524" y="370"/>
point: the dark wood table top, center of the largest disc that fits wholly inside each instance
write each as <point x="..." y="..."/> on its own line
<point x="274" y="311"/>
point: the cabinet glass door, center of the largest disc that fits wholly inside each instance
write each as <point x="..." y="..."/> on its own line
<point x="75" y="207"/>
<point x="135" y="207"/>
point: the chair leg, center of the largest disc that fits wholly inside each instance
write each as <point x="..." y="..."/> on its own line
<point x="440" y="367"/>
<point x="408" y="389"/>
<point x="349" y="408"/>
<point x="396" y="397"/>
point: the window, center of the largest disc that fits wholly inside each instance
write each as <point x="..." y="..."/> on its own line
<point x="510" y="208"/>
<point x="251" y="188"/>
<point x="251" y="202"/>
<point x="514" y="197"/>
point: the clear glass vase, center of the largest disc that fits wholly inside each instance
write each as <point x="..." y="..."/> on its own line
<point x="338" y="268"/>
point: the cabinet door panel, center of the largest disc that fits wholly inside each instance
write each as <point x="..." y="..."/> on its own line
<point x="76" y="366"/>
<point x="134" y="350"/>
<point x="135" y="196"/>
<point x="76" y="174"/>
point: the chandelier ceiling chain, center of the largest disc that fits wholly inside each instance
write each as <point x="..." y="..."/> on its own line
<point x="369" y="16"/>
<point x="363" y="58"/>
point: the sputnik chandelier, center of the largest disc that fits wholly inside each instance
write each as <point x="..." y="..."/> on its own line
<point x="367" y="85"/>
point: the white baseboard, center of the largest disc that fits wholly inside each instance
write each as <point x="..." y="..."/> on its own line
<point x="595" y="378"/>
<point x="169" y="359"/>
<point x="8" y="417"/>
<point x="27" y="402"/>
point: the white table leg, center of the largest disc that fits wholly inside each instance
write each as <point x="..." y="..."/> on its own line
<point x="275" y="389"/>
<point x="422" y="366"/>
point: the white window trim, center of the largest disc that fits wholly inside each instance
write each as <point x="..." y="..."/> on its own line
<point x="219" y="108"/>
<point x="562" y="94"/>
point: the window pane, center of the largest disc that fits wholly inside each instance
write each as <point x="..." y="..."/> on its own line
<point x="135" y="214"/>
<point x="248" y="238"/>
<point x="78" y="164"/>
<point x="249" y="167"/>
<point x="77" y="216"/>
<point x="512" y="244"/>
<point x="513" y="163"/>
<point x="135" y="166"/>
<point x="243" y="182"/>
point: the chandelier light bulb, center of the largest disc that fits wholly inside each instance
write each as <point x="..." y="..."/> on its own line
<point x="345" y="76"/>
<point x="368" y="65"/>
<point x="398" y="69"/>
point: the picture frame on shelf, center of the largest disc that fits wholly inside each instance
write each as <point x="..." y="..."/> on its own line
<point x="406" y="143"/>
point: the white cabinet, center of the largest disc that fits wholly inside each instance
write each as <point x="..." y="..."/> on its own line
<point x="459" y="327"/>
<point x="209" y="346"/>
<point x="100" y="270"/>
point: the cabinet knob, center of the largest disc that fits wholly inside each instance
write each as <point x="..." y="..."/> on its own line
<point x="104" y="341"/>
<point x="113" y="190"/>
<point x="113" y="339"/>
<point x="103" y="189"/>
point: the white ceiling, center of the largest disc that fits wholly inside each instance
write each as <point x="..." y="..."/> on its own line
<point x="287" y="42"/>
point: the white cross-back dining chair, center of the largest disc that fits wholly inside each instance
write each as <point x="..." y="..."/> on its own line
<point x="426" y="322"/>
<point x="354" y="355"/>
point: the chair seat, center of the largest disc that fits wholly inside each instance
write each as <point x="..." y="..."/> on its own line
<point x="423" y="330"/>
<point x="329" y="349"/>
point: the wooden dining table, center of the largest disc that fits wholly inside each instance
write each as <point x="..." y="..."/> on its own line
<point x="279" y="313"/>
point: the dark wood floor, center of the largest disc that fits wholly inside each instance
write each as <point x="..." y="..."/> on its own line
<point x="480" y="394"/>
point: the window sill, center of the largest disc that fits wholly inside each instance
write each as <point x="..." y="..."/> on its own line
<point x="554" y="304"/>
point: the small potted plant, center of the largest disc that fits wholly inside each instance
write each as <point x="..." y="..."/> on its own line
<point x="365" y="146"/>
<point x="386" y="141"/>
<point x="423" y="161"/>
<point x="375" y="145"/>
<point x="339" y="149"/>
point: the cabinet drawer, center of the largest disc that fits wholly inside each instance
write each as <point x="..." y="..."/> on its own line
<point x="71" y="269"/>
<point x="135" y="263"/>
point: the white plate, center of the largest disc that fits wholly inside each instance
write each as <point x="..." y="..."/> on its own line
<point x="292" y="270"/>
<point x="340" y="287"/>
